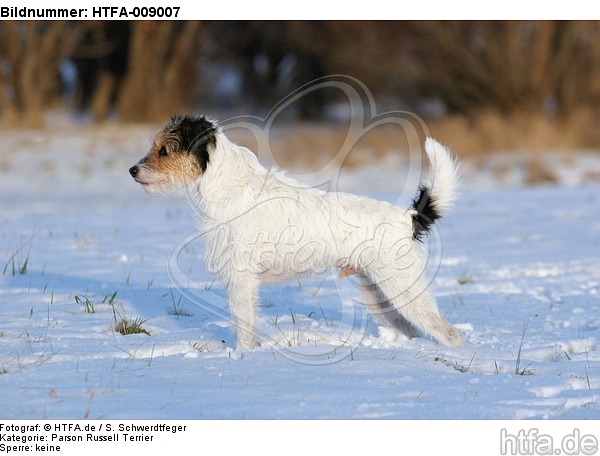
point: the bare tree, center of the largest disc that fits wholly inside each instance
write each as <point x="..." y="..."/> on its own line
<point x="101" y="64"/>
<point x="162" y="69"/>
<point x="507" y="66"/>
<point x="150" y="69"/>
<point x="31" y="53"/>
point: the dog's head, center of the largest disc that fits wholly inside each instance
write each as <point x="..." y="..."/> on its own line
<point x="179" y="155"/>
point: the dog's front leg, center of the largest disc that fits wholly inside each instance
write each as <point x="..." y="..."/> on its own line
<point x="242" y="295"/>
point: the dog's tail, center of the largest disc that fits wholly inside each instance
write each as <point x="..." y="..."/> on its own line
<point x="437" y="196"/>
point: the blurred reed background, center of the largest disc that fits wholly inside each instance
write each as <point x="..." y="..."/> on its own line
<point x="480" y="86"/>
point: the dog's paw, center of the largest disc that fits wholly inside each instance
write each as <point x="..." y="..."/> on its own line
<point x="247" y="345"/>
<point x="453" y="338"/>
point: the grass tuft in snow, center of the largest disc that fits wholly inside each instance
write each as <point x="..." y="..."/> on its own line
<point x="89" y="305"/>
<point x="587" y="375"/>
<point x="294" y="339"/>
<point x="498" y="368"/>
<point x="177" y="309"/>
<point x="86" y="415"/>
<point x="200" y="346"/>
<point x="466" y="279"/>
<point x="518" y="369"/>
<point x="127" y="327"/>
<point x="455" y="364"/>
<point x="124" y="325"/>
<point x="17" y="263"/>
<point x="110" y="298"/>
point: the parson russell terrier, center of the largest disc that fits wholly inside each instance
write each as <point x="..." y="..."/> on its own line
<point x="261" y="226"/>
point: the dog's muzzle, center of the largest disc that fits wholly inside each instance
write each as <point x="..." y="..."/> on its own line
<point x="135" y="173"/>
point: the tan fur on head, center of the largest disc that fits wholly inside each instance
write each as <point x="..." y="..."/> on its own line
<point x="178" y="156"/>
<point x="167" y="166"/>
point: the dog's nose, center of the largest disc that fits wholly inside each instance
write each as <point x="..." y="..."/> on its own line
<point x="134" y="171"/>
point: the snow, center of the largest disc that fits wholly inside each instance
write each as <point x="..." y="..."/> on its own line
<point x="516" y="269"/>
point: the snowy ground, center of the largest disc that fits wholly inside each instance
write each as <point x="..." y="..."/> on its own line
<point x="518" y="272"/>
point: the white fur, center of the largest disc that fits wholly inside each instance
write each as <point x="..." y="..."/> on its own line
<point x="443" y="184"/>
<point x="262" y="226"/>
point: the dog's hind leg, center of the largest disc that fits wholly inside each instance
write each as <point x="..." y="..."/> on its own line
<point x="243" y="295"/>
<point x="423" y="311"/>
<point x="418" y="306"/>
<point x="380" y="306"/>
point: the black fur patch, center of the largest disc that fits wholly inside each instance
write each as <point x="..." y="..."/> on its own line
<point x="426" y="213"/>
<point x="196" y="134"/>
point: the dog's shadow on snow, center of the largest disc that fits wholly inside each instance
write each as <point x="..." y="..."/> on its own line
<point x="296" y="313"/>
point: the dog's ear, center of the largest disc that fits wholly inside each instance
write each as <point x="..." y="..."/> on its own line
<point x="197" y="134"/>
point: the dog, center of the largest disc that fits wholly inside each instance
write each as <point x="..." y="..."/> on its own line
<point x="261" y="226"/>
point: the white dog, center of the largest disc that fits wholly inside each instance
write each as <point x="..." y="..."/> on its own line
<point x="261" y="226"/>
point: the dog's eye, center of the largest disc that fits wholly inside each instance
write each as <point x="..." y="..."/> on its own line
<point x="163" y="152"/>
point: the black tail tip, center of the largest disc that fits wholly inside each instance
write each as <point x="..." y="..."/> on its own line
<point x="426" y="213"/>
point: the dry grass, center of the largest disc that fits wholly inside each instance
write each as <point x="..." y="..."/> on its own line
<point x="312" y="145"/>
<point x="309" y="146"/>
<point x="491" y="132"/>
<point x="530" y="136"/>
<point x="127" y="327"/>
